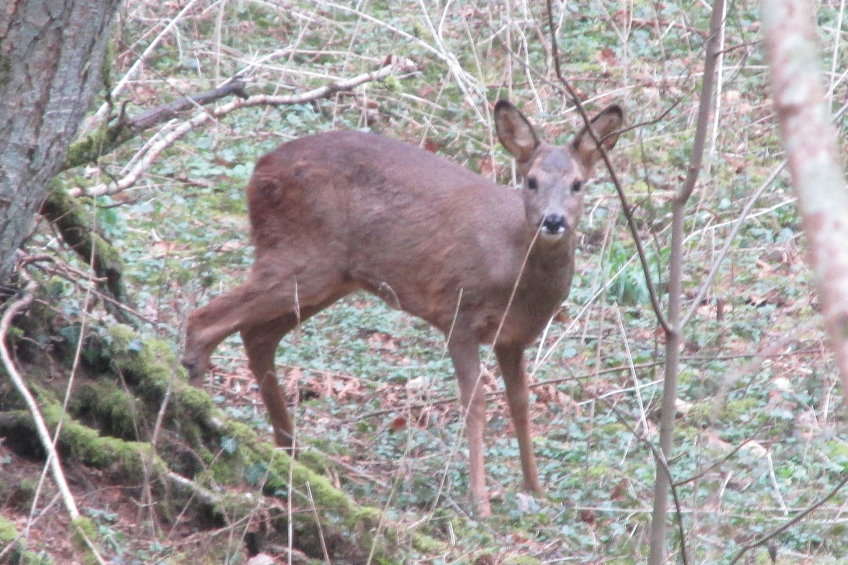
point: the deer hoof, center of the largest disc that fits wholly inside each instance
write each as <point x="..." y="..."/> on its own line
<point x="195" y="370"/>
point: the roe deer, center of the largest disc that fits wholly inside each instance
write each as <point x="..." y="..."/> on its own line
<point x="336" y="212"/>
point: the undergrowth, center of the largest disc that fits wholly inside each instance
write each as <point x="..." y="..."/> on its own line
<point x="759" y="436"/>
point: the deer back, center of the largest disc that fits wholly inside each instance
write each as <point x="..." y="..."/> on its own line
<point x="425" y="234"/>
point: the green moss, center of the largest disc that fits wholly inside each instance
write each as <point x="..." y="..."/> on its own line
<point x="738" y="407"/>
<point x="241" y="433"/>
<point x="83" y="528"/>
<point x="90" y="148"/>
<point x="360" y="519"/>
<point x="8" y="531"/>
<point x="195" y="401"/>
<point x="69" y="215"/>
<point x="121" y="336"/>
<point x="366" y="516"/>
<point x="88" y="446"/>
<point x="150" y="360"/>
<point x="151" y="364"/>
<point x="114" y="408"/>
<point x="17" y="493"/>
<point x="228" y="469"/>
<point x="323" y="491"/>
<point x="614" y="428"/>
<point x="107" y="68"/>
<point x="17" y="553"/>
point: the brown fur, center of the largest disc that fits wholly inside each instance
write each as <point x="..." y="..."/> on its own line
<point x="337" y="212"/>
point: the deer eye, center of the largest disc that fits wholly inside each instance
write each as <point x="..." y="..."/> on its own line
<point x="532" y="183"/>
<point x="576" y="186"/>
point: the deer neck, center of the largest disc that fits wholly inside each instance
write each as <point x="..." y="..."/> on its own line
<point x="546" y="275"/>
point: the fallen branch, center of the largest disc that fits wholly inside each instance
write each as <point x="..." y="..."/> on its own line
<point x="75" y="226"/>
<point x="168" y="137"/>
<point x="41" y="428"/>
<point x="53" y="461"/>
<point x="103" y="141"/>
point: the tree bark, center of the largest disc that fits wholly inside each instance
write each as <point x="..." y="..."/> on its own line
<point x="51" y="55"/>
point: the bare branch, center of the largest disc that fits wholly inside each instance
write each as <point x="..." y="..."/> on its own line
<point x="103" y="141"/>
<point x="168" y="137"/>
<point x="674" y="334"/>
<point x="789" y="523"/>
<point x="53" y="461"/>
<point x="233" y="87"/>
<point x="41" y="427"/>
<point x="731" y="237"/>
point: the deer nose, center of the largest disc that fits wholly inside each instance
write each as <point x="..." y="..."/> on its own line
<point x="554" y="224"/>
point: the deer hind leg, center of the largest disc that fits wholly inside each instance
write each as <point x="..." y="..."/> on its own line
<point x="260" y="342"/>
<point x="466" y="361"/>
<point x="266" y="296"/>
<point x="511" y="361"/>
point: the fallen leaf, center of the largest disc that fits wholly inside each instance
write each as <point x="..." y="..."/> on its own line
<point x="398" y="423"/>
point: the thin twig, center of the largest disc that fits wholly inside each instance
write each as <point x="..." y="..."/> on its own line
<point x="494" y="394"/>
<point x="663" y="468"/>
<point x="104" y="109"/>
<point x="235" y="86"/>
<point x="73" y="275"/>
<point x="71" y="378"/>
<point x="628" y="213"/>
<point x="774" y="483"/>
<point x="702" y="472"/>
<point x="737" y="226"/>
<point x="53" y="461"/>
<point x="321" y="539"/>
<point x="794" y="520"/>
<point x="674" y="330"/>
<point x="103" y="141"/>
<point x="46" y="511"/>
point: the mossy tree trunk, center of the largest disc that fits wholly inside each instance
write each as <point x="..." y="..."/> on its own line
<point x="51" y="55"/>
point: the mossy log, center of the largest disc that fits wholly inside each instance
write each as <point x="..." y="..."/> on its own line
<point x="204" y="462"/>
<point x="72" y="221"/>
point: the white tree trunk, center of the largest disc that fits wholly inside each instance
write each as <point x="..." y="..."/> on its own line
<point x="815" y="160"/>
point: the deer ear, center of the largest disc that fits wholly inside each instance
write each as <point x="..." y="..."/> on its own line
<point x="515" y="132"/>
<point x="606" y="126"/>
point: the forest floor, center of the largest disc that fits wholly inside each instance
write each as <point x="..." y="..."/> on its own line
<point x="760" y="436"/>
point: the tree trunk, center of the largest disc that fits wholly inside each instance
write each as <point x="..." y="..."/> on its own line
<point x="816" y="162"/>
<point x="51" y="55"/>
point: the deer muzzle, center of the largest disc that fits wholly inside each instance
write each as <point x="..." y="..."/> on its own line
<point x="554" y="226"/>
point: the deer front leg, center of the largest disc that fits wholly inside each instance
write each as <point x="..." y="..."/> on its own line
<point x="260" y="342"/>
<point x="511" y="361"/>
<point x="466" y="361"/>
